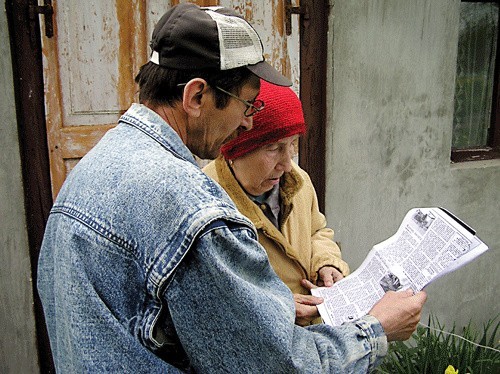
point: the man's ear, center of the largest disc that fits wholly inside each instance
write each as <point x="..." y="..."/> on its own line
<point x="194" y="96"/>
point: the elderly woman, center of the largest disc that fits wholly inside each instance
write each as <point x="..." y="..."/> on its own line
<point x="258" y="172"/>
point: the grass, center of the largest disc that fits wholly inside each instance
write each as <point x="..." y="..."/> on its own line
<point x="430" y="351"/>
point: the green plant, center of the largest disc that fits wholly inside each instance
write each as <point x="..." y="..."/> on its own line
<point x="430" y="350"/>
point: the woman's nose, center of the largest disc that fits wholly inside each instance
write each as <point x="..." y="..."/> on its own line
<point x="286" y="161"/>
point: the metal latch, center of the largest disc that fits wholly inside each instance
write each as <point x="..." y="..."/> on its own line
<point x="289" y="10"/>
<point x="47" y="10"/>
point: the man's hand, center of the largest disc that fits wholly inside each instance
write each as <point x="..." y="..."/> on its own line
<point x="399" y="313"/>
<point x="305" y="308"/>
<point x="328" y="275"/>
<point x="305" y="305"/>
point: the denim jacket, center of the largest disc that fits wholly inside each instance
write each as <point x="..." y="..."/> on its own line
<point x="146" y="266"/>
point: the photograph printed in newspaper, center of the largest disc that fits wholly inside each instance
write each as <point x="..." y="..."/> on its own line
<point x="429" y="243"/>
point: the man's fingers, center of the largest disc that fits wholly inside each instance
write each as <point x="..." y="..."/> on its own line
<point x="304" y="314"/>
<point x="421" y="297"/>
<point x="399" y="313"/>
<point x="307" y="299"/>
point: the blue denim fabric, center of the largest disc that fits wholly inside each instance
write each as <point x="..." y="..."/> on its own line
<point x="146" y="266"/>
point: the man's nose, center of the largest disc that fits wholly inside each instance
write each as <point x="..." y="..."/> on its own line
<point x="247" y="123"/>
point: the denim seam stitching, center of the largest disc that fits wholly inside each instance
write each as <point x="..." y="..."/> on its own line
<point x="131" y="121"/>
<point x="98" y="228"/>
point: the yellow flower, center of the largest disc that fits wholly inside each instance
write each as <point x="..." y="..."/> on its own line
<point x="450" y="370"/>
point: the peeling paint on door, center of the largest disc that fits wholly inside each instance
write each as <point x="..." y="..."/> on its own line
<point x="96" y="51"/>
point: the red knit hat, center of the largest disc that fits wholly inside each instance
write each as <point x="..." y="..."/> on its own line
<point x="281" y="117"/>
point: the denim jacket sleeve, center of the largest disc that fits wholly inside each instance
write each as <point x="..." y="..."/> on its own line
<point x="232" y="314"/>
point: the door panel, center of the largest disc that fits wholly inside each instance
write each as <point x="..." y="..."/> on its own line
<point x="88" y="75"/>
<point x="96" y="51"/>
<point x="267" y="17"/>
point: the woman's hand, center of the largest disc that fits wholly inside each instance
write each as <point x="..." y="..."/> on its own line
<point x="328" y="275"/>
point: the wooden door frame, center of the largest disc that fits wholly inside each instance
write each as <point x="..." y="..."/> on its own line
<point x="313" y="73"/>
<point x="30" y="111"/>
<point x="27" y="67"/>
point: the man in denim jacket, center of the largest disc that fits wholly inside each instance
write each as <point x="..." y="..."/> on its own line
<point x="147" y="266"/>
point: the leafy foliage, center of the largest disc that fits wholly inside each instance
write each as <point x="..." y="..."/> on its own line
<point x="431" y="350"/>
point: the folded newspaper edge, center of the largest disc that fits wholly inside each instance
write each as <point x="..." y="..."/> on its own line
<point x="429" y="243"/>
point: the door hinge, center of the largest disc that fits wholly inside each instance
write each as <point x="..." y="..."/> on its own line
<point x="47" y="10"/>
<point x="289" y="10"/>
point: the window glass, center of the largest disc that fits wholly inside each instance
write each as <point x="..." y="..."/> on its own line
<point x="475" y="74"/>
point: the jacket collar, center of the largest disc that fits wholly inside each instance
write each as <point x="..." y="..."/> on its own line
<point x="290" y="184"/>
<point x="150" y="123"/>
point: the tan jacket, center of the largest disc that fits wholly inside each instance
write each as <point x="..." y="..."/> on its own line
<point x="304" y="244"/>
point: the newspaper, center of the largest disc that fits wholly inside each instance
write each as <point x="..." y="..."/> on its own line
<point x="430" y="243"/>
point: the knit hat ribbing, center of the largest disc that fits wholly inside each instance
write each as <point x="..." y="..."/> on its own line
<point x="281" y="117"/>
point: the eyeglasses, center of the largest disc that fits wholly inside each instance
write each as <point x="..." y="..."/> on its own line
<point x="252" y="107"/>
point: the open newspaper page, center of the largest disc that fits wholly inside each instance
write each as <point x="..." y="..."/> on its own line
<point x="429" y="243"/>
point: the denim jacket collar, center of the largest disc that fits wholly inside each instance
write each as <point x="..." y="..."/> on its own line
<point x="153" y="125"/>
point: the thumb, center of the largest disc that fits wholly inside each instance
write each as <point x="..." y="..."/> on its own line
<point x="421" y="297"/>
<point x="328" y="279"/>
<point x="408" y="292"/>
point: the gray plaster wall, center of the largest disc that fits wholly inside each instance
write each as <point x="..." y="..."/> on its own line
<point x="390" y="96"/>
<point x="18" y="352"/>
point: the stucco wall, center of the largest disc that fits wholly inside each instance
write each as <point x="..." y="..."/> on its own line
<point x="389" y="137"/>
<point x="17" y="343"/>
<point x="390" y="117"/>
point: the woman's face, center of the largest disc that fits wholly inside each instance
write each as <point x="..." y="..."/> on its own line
<point x="260" y="170"/>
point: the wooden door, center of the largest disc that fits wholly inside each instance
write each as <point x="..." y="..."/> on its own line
<point x="90" y="62"/>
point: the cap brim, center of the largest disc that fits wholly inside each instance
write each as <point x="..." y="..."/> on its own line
<point x="269" y="74"/>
